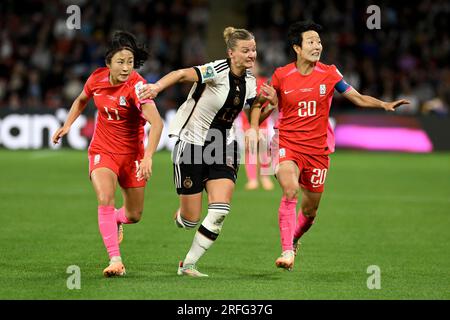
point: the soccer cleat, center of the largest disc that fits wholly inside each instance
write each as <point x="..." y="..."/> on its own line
<point x="119" y="233"/>
<point x="267" y="183"/>
<point x="286" y="260"/>
<point x="189" y="270"/>
<point x="115" y="268"/>
<point x="296" y="244"/>
<point x="252" y="185"/>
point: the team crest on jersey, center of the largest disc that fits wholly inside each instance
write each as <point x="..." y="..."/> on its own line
<point x="207" y="72"/>
<point x="230" y="161"/>
<point x="122" y="101"/>
<point x="323" y="89"/>
<point x="187" y="183"/>
<point x="96" y="159"/>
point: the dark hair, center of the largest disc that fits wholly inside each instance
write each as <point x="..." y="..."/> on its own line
<point x="125" y="40"/>
<point x="295" y="32"/>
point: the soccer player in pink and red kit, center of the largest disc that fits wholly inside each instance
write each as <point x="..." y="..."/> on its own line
<point x="305" y="138"/>
<point x="116" y="153"/>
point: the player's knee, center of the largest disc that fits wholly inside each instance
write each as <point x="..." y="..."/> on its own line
<point x="105" y="199"/>
<point x="214" y="219"/>
<point x="310" y="211"/>
<point x="134" y="216"/>
<point x="186" y="223"/>
<point x="291" y="192"/>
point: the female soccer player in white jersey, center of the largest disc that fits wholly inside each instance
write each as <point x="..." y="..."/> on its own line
<point x="305" y="139"/>
<point x="206" y="153"/>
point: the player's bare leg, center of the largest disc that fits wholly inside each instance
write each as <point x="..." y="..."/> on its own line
<point x="288" y="176"/>
<point x="188" y="214"/>
<point x="131" y="212"/>
<point x="104" y="182"/>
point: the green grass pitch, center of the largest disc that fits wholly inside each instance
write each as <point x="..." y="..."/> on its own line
<point x="385" y="209"/>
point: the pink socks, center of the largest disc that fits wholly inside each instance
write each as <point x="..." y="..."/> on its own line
<point x="303" y="224"/>
<point x="121" y="217"/>
<point x="107" y="225"/>
<point x="286" y="222"/>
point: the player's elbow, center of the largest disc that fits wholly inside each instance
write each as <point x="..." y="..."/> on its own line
<point x="182" y="75"/>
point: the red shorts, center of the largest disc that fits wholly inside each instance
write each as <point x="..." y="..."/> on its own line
<point x="313" y="168"/>
<point x="124" y="166"/>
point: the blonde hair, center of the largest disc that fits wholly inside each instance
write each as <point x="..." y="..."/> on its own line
<point x="232" y="35"/>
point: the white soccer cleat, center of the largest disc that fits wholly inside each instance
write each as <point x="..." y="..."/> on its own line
<point x="189" y="270"/>
<point x="286" y="260"/>
<point x="115" y="268"/>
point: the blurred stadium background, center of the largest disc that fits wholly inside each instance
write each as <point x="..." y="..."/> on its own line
<point x="390" y="209"/>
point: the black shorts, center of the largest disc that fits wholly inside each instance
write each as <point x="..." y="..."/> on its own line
<point x="193" y="165"/>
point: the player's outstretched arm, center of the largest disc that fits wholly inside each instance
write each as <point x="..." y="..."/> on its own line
<point x="77" y="108"/>
<point x="371" y="102"/>
<point x="268" y="93"/>
<point x="151" y="114"/>
<point x="266" y="112"/>
<point x="151" y="90"/>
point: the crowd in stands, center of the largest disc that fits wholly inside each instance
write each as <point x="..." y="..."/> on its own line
<point x="43" y="63"/>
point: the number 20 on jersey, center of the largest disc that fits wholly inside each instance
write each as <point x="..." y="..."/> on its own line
<point x="307" y="108"/>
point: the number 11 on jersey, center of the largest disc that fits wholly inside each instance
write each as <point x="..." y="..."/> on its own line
<point x="109" y="115"/>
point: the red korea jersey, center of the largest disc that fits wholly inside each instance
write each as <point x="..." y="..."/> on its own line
<point x="304" y="103"/>
<point x="120" y="127"/>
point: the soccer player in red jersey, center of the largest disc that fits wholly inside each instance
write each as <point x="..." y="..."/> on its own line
<point x="305" y="138"/>
<point x="116" y="153"/>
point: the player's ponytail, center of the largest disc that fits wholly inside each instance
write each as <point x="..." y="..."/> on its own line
<point x="232" y="35"/>
<point x="125" y="40"/>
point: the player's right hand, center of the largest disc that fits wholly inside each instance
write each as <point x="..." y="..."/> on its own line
<point x="269" y="93"/>
<point x="61" y="132"/>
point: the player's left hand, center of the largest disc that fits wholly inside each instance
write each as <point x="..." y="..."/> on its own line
<point x="145" y="169"/>
<point x="149" y="91"/>
<point x="269" y="93"/>
<point x="390" y="106"/>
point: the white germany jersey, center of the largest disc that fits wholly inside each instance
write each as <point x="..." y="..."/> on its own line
<point x="213" y="102"/>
